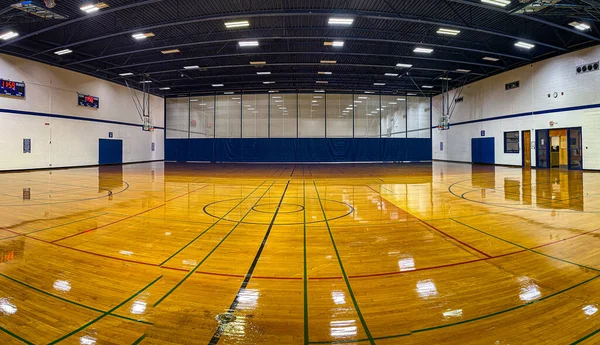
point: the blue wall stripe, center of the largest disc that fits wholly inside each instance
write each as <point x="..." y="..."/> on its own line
<point x="540" y="112"/>
<point x="67" y="117"/>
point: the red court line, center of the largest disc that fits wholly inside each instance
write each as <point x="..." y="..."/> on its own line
<point x="433" y="227"/>
<point x="129" y="217"/>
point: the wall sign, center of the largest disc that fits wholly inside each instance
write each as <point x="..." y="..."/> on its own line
<point x="483" y="133"/>
<point x="441" y="146"/>
<point x="88" y="101"/>
<point x="12" y="88"/>
<point x="110" y="134"/>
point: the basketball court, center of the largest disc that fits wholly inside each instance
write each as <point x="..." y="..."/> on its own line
<point x="230" y="173"/>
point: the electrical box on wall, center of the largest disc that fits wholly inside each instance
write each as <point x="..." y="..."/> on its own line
<point x="512" y="85"/>
<point x="588" y="67"/>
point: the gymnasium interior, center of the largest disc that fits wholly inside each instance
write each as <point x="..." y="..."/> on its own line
<point x="260" y="172"/>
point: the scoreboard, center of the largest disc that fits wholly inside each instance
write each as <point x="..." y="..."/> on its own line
<point x="88" y="101"/>
<point x="12" y="88"/>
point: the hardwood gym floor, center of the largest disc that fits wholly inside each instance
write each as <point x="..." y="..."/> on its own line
<point x="299" y="254"/>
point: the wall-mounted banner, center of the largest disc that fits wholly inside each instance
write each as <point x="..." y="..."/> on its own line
<point x="88" y="101"/>
<point x="12" y="88"/>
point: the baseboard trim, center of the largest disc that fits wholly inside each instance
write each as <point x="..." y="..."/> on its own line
<point x="75" y="167"/>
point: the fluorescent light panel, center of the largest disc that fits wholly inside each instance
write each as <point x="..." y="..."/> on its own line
<point x="322" y="82"/>
<point x="326" y="73"/>
<point x="9" y="35"/>
<point x="444" y="78"/>
<point x="427" y="87"/>
<point x="580" y="26"/>
<point x="63" y="52"/>
<point x="191" y="67"/>
<point x="248" y="43"/>
<point x="499" y="3"/>
<point x="164" y="88"/>
<point x="463" y="70"/>
<point x="258" y="63"/>
<point x="126" y="74"/>
<point x="525" y="45"/>
<point x="237" y="24"/>
<point x="142" y="36"/>
<point x="268" y="82"/>
<point x="171" y="51"/>
<point x="263" y="73"/>
<point x="423" y="50"/>
<point x="379" y="84"/>
<point x="403" y="65"/>
<point x="91" y="8"/>
<point x="340" y="21"/>
<point x="450" y="32"/>
<point x="217" y="85"/>
<point x="334" y="43"/>
<point x="391" y="74"/>
<point x="328" y="61"/>
<point x="488" y="58"/>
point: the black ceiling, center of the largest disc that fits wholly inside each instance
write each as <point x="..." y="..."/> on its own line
<point x="291" y="36"/>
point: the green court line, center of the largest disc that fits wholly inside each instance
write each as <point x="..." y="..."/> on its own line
<point x="213" y="250"/>
<point x="105" y="313"/>
<point x="212" y="225"/>
<point x="421" y="330"/>
<point x="306" y="338"/>
<point x="69" y="301"/>
<point x="528" y="249"/>
<point x="360" y="316"/>
<point x="578" y="341"/>
<point x="502" y="311"/>
<point x="53" y="227"/>
<point x="15" y="336"/>
<point x="139" y="340"/>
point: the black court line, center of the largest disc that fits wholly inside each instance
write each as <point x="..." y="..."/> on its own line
<point x="217" y="336"/>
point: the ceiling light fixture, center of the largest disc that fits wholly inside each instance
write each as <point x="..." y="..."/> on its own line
<point x="463" y="70"/>
<point x="334" y="43"/>
<point x="263" y="73"/>
<point x="500" y="3"/>
<point x="391" y="74"/>
<point x="450" y="32"/>
<point x="525" y="45"/>
<point x="164" y="88"/>
<point x="325" y="73"/>
<point x="63" y="52"/>
<point x="217" y="85"/>
<point x="580" y="26"/>
<point x="191" y="67"/>
<point x="142" y="36"/>
<point x="423" y="50"/>
<point x="488" y="58"/>
<point x="258" y="63"/>
<point x="126" y="74"/>
<point x="340" y="21"/>
<point x="403" y="65"/>
<point x="379" y="84"/>
<point x="238" y="24"/>
<point x="171" y="51"/>
<point x="248" y="43"/>
<point x="328" y="61"/>
<point x="9" y="35"/>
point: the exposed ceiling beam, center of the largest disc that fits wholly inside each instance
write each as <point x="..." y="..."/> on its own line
<point x="358" y="39"/>
<point x="363" y="14"/>
<point x="528" y="17"/>
<point x="84" y="17"/>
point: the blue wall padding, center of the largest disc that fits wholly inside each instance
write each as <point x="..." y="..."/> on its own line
<point x="298" y="150"/>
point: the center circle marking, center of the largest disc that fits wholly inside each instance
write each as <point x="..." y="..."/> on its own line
<point x="284" y="208"/>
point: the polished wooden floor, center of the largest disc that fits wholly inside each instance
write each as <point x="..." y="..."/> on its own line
<point x="164" y="253"/>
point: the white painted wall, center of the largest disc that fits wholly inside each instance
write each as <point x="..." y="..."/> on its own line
<point x="52" y="90"/>
<point x="487" y="99"/>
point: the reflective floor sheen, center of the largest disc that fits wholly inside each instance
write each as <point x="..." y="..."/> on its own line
<point x="164" y="253"/>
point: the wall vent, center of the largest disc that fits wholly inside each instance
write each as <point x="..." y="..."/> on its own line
<point x="459" y="100"/>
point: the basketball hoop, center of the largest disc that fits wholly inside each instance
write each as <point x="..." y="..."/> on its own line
<point x="444" y="124"/>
